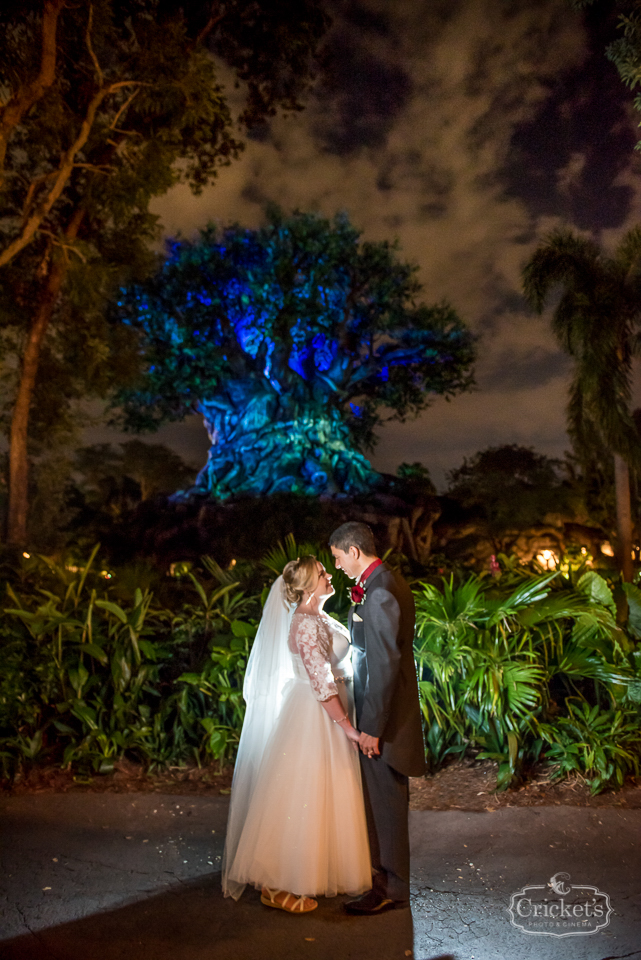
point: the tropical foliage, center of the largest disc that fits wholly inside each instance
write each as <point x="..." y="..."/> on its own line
<point x="87" y="680"/>
<point x="518" y="668"/>
<point x="596" y="323"/>
<point x="530" y="667"/>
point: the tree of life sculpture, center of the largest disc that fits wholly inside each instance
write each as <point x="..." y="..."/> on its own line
<point x="294" y="341"/>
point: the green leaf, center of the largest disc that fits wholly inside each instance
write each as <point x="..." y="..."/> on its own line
<point x="595" y="587"/>
<point x="190" y="678"/>
<point x="63" y="728"/>
<point x="222" y="591"/>
<point x="25" y="615"/>
<point x="149" y="648"/>
<point x="78" y="677"/>
<point x="634" y="691"/>
<point x="14" y="597"/>
<point x="199" y="589"/>
<point x="242" y="629"/>
<point x="94" y="651"/>
<point x="88" y="565"/>
<point x="31" y="746"/>
<point x="85" y="714"/>
<point x="112" y="608"/>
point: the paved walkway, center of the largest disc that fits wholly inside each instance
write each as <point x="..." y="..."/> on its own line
<point x="137" y="877"/>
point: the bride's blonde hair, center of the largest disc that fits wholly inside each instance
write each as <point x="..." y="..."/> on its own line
<point x="298" y="576"/>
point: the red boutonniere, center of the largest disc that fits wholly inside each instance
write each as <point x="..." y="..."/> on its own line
<point x="357" y="594"/>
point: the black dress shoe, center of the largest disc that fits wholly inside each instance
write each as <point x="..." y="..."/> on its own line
<point x="371" y="903"/>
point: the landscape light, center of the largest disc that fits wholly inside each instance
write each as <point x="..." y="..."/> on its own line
<point x="547" y="559"/>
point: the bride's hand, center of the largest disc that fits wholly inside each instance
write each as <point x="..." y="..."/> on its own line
<point x="354" y="736"/>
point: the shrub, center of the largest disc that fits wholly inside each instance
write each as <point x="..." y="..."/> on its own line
<point x="502" y="664"/>
<point x="87" y="680"/>
<point x="518" y="669"/>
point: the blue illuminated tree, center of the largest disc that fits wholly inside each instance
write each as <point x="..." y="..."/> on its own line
<point x="294" y="341"/>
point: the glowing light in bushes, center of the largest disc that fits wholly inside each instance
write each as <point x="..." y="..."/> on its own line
<point x="547" y="559"/>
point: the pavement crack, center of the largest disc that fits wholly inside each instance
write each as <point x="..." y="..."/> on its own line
<point x="422" y="893"/>
<point x="37" y="936"/>
<point x="622" y="956"/>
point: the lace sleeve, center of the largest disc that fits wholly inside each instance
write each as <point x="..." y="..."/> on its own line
<point x="312" y="640"/>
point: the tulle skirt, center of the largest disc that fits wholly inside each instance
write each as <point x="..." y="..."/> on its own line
<point x="305" y="828"/>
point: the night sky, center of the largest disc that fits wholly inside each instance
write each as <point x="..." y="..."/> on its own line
<point x="468" y="130"/>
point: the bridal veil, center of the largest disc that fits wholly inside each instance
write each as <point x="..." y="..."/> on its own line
<point x="268" y="670"/>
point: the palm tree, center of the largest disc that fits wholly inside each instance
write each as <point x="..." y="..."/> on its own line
<point x="595" y="323"/>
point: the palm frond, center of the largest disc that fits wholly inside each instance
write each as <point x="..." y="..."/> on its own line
<point x="628" y="252"/>
<point x="279" y="556"/>
<point x="562" y="259"/>
<point x="214" y="568"/>
<point x="528" y="593"/>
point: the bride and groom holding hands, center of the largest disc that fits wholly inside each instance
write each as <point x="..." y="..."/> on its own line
<point x="320" y="798"/>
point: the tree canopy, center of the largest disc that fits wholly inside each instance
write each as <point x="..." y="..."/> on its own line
<point x="513" y="488"/>
<point x="107" y="95"/>
<point x="146" y="469"/>
<point x="299" y="318"/>
<point x="300" y="306"/>
<point x="107" y="104"/>
<point x="625" y="51"/>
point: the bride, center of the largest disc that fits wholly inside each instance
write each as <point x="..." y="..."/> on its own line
<point x="296" y="824"/>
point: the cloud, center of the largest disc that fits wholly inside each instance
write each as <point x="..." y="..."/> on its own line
<point x="474" y="76"/>
<point x="434" y="126"/>
<point x="449" y="432"/>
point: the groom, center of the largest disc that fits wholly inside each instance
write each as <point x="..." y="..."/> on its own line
<point x="381" y="625"/>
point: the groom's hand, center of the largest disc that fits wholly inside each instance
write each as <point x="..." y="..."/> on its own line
<point x="369" y="745"/>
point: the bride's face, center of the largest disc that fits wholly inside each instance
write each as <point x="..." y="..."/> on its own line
<point x="324" y="586"/>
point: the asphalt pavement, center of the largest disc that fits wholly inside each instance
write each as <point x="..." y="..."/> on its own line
<point x="112" y="876"/>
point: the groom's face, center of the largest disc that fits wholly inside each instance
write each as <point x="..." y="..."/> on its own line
<point x="349" y="562"/>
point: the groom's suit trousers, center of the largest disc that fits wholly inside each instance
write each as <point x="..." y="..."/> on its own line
<point x="386" y="793"/>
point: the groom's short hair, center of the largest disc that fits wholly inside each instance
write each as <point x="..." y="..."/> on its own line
<point x="354" y="534"/>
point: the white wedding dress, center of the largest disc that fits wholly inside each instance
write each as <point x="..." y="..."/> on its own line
<point x="303" y="828"/>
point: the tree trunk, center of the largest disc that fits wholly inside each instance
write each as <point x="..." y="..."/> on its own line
<point x="18" y="454"/>
<point x="624" y="517"/>
<point x="18" y="448"/>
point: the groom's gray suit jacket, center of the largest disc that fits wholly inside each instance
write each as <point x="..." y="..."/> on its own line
<point x="385" y="684"/>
